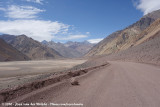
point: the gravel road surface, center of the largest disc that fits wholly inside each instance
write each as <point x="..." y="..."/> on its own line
<point x="122" y="84"/>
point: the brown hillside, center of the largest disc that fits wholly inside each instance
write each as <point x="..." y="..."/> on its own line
<point x="149" y="33"/>
<point x="146" y="52"/>
<point x="124" y="39"/>
<point x="31" y="48"/>
<point x="8" y="53"/>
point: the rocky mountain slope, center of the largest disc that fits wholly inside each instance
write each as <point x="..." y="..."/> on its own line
<point x="124" y="39"/>
<point x="63" y="50"/>
<point x="81" y="47"/>
<point x="145" y="50"/>
<point x="8" y="53"/>
<point x="31" y="48"/>
<point x="149" y="33"/>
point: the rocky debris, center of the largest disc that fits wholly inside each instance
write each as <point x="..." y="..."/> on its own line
<point x="74" y="81"/>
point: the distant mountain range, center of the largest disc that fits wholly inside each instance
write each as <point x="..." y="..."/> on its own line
<point x="63" y="50"/>
<point x="9" y="53"/>
<point x="70" y="49"/>
<point x="129" y="37"/>
<point x="82" y="47"/>
<point x="31" y="48"/>
<point x="34" y="50"/>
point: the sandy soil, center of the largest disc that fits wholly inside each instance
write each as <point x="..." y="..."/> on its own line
<point x="20" y="68"/>
<point x="122" y="84"/>
<point x="21" y="72"/>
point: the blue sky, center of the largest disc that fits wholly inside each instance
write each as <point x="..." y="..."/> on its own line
<point x="71" y="20"/>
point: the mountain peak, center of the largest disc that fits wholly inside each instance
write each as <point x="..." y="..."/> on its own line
<point x="154" y="15"/>
<point x="44" y="42"/>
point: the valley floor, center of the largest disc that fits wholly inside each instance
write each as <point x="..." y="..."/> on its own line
<point x="20" y="72"/>
<point x="122" y="84"/>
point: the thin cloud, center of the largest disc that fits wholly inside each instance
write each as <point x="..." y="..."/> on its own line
<point x="95" y="40"/>
<point x="147" y="6"/>
<point x="2" y="9"/>
<point x="37" y="29"/>
<point x="87" y="32"/>
<point x="35" y="1"/>
<point x="21" y="12"/>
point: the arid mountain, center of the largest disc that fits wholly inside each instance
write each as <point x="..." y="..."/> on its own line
<point x="81" y="47"/>
<point x="146" y="50"/>
<point x="9" y="53"/>
<point x="124" y="39"/>
<point x="31" y="48"/>
<point x="63" y="50"/>
<point x="149" y="33"/>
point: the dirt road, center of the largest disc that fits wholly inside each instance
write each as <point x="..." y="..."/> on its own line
<point x="122" y="84"/>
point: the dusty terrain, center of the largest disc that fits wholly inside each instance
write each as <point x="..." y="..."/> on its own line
<point x="20" y="72"/>
<point x="122" y="84"/>
<point x="147" y="52"/>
